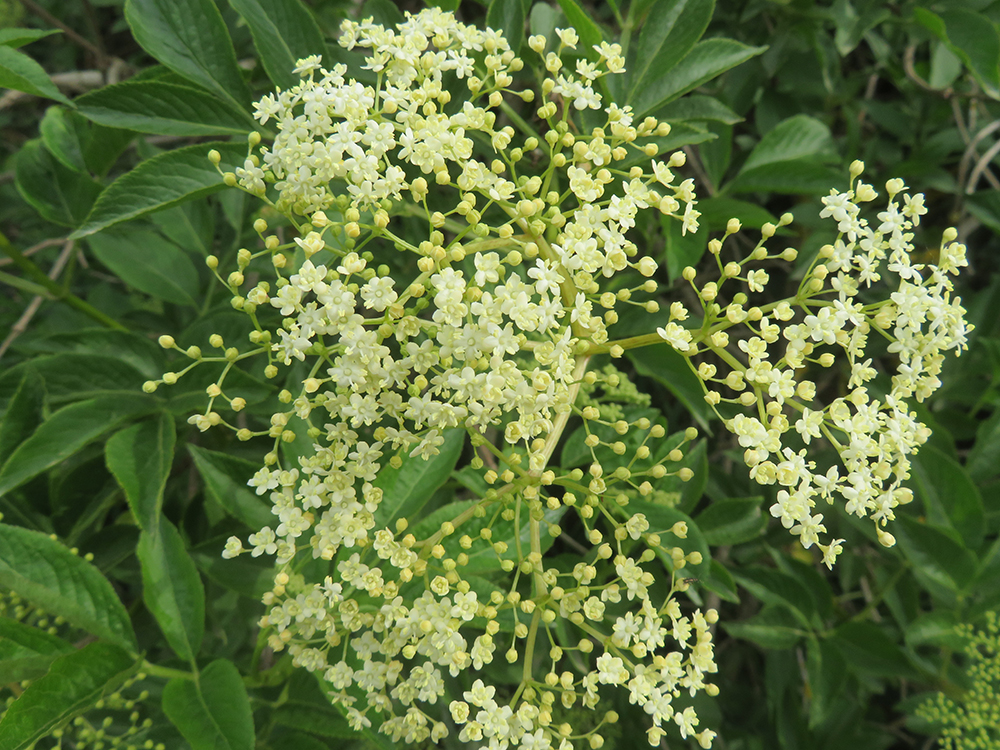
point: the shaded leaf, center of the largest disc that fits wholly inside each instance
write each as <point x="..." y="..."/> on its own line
<point x="212" y="712"/>
<point x="226" y="481"/>
<point x="172" y="589"/>
<point x="795" y="138"/>
<point x="163" y="108"/>
<point x="60" y="194"/>
<point x="507" y="16"/>
<point x="140" y="458"/>
<point x="708" y="59"/>
<point x="934" y="553"/>
<point x="190" y="38"/>
<point x="19" y="37"/>
<point x="68" y="430"/>
<point x="75" y="682"/>
<point x="42" y="571"/>
<point x="949" y="494"/>
<point x="670" y="369"/>
<point x="160" y="182"/>
<point x="149" y="263"/>
<point x="772" y="628"/>
<point x="26" y="652"/>
<point x="406" y="489"/>
<point x="732" y="521"/>
<point x="284" y="32"/>
<point x="671" y="30"/>
<point x="23" y="415"/>
<point x="868" y="649"/>
<point x="21" y="73"/>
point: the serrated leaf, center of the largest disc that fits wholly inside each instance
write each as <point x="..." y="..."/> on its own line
<point x="68" y="430"/>
<point x="795" y="138"/>
<point x="771" y="628"/>
<point x="507" y="16"/>
<point x="226" y="480"/>
<point x="160" y="182"/>
<point x="212" y="712"/>
<point x="23" y="414"/>
<point x="140" y="458"/>
<point x="75" y="682"/>
<point x="284" y="31"/>
<point x="64" y="134"/>
<point x="406" y="489"/>
<point x="60" y="194"/>
<point x="15" y="38"/>
<point x="190" y="38"/>
<point x="934" y="553"/>
<point x="172" y="588"/>
<point x="146" y="261"/>
<point x="26" y="652"/>
<point x="671" y="30"/>
<point x="162" y="108"/>
<point x="949" y="495"/>
<point x="21" y="73"/>
<point x="42" y="571"/>
<point x="732" y="521"/>
<point x="706" y="60"/>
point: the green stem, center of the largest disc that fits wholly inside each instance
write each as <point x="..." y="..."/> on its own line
<point x="55" y="289"/>
<point x="166" y="672"/>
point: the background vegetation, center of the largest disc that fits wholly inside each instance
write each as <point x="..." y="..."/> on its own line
<point x="108" y="208"/>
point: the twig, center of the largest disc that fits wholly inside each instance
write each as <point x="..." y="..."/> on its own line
<point x="982" y="168"/>
<point x="911" y="72"/>
<point x="35" y="248"/>
<point x="22" y="323"/>
<point x="32" y="7"/>
<point x="57" y="291"/>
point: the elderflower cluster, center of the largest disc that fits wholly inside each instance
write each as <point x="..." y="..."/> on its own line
<point x="488" y="338"/>
<point x="865" y="285"/>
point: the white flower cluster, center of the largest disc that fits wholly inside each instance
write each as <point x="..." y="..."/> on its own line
<point x="769" y="350"/>
<point x="491" y="336"/>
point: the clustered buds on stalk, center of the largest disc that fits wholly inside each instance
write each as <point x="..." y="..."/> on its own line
<point x="482" y="323"/>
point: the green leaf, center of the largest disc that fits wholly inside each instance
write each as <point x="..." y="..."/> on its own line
<point x="190" y="38"/>
<point x="983" y="461"/>
<point x="284" y="32"/>
<point x="190" y="225"/>
<point x="934" y="553"/>
<point x="775" y="588"/>
<point x="826" y="671"/>
<point x="68" y="430"/>
<point x="697" y="107"/>
<point x="15" y="38"/>
<point x="325" y="721"/>
<point x="212" y="712"/>
<point x="671" y="30"/>
<point x="797" y="137"/>
<point x="140" y="458"/>
<point x="949" y="494"/>
<point x="507" y="16"/>
<point x="732" y="521"/>
<point x="670" y="369"/>
<point x="26" y="652"/>
<point x="24" y="413"/>
<point x="74" y="684"/>
<point x="717" y="211"/>
<point x="708" y="59"/>
<point x="588" y="31"/>
<point x="149" y="263"/>
<point x="44" y="572"/>
<point x="164" y="109"/>
<point x="163" y="181"/>
<point x="64" y="134"/>
<point x="21" y="73"/>
<point x="771" y="628"/>
<point x="869" y="650"/>
<point x="970" y="36"/>
<point x="405" y="490"/>
<point x="60" y="194"/>
<point x="226" y="481"/>
<point x="75" y="375"/>
<point x="172" y="589"/>
<point x="799" y="176"/>
<point x="383" y="12"/>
